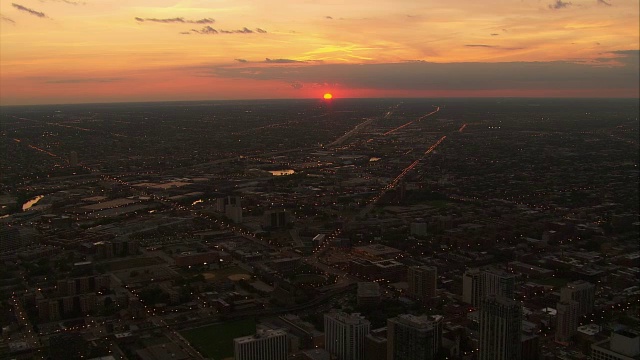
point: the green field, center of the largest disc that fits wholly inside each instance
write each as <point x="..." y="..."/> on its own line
<point x="223" y="273"/>
<point x="216" y="341"/>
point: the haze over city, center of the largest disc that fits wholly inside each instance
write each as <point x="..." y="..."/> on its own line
<point x="306" y="180"/>
<point x="113" y="51"/>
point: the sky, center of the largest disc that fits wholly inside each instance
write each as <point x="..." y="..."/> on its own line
<point x="74" y="51"/>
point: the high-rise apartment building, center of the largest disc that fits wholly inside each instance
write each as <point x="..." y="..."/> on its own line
<point x="500" y="329"/>
<point x="567" y="321"/>
<point x="471" y="287"/>
<point x="581" y="291"/>
<point x="478" y="284"/>
<point x="497" y="282"/>
<point x="422" y="282"/>
<point x="344" y="335"/>
<point x="412" y="337"/>
<point x="264" y="345"/>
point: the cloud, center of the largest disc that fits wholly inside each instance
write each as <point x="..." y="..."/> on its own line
<point x="559" y="4"/>
<point x="83" y="80"/>
<point x="494" y="34"/>
<point x="603" y="2"/>
<point x="241" y="60"/>
<point x="4" y="18"/>
<point x="493" y="47"/>
<point x="241" y="31"/>
<point x="296" y="85"/>
<point x="471" y="76"/>
<point x="179" y="20"/>
<point x="185" y="32"/>
<point x="70" y="2"/>
<point x="281" y="61"/>
<point x="206" y="30"/>
<point x="209" y="30"/>
<point x="30" y="11"/>
<point x="328" y="17"/>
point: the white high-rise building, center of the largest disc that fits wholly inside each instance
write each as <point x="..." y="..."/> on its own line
<point x="264" y="345"/>
<point x="344" y="335"/>
<point x="500" y="329"/>
<point x="581" y="291"/>
<point x="411" y="337"/>
<point x="497" y="282"/>
<point x="478" y="284"/>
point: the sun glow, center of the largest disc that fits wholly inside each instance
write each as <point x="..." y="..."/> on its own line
<point x="327" y="96"/>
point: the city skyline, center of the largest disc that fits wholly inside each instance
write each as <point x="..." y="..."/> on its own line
<point x="111" y="51"/>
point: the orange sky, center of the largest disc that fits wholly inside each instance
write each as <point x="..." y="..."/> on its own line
<point x="68" y="51"/>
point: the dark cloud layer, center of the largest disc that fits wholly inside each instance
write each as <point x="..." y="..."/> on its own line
<point x="559" y="4"/>
<point x="179" y="20"/>
<point x="4" y="18"/>
<point x="30" y="11"/>
<point x="208" y="30"/>
<point x="83" y="80"/>
<point x="70" y="2"/>
<point x="426" y="76"/>
<point x="281" y="61"/>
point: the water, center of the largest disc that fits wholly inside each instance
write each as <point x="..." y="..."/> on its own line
<point x="282" y="172"/>
<point x="30" y="203"/>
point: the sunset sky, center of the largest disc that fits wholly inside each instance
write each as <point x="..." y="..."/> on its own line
<point x="68" y="51"/>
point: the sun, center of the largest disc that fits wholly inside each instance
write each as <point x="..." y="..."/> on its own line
<point x="327" y="96"/>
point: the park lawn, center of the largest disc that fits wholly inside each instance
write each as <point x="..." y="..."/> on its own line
<point x="216" y="341"/>
<point x="224" y="273"/>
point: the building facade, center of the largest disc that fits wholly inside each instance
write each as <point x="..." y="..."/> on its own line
<point x="567" y="321"/>
<point x="500" y="329"/>
<point x="581" y="291"/>
<point x="412" y="337"/>
<point x="422" y="281"/>
<point x="344" y="335"/>
<point x="264" y="345"/>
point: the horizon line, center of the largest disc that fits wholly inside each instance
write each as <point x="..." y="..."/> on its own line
<point x="330" y="100"/>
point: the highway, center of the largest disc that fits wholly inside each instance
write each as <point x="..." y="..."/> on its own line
<point x="411" y="122"/>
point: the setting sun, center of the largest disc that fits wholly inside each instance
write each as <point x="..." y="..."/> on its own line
<point x="327" y="96"/>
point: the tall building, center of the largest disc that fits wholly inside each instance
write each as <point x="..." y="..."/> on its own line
<point x="422" y="282"/>
<point x="567" y="321"/>
<point x="344" y="335"/>
<point x="500" y="329"/>
<point x="275" y="219"/>
<point x="234" y="213"/>
<point x="264" y="345"/>
<point x="581" y="291"/>
<point x="223" y="202"/>
<point x="412" y="337"/>
<point x="471" y="287"/>
<point x="375" y="345"/>
<point x="497" y="282"/>
<point x="623" y="345"/>
<point x="478" y="284"/>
